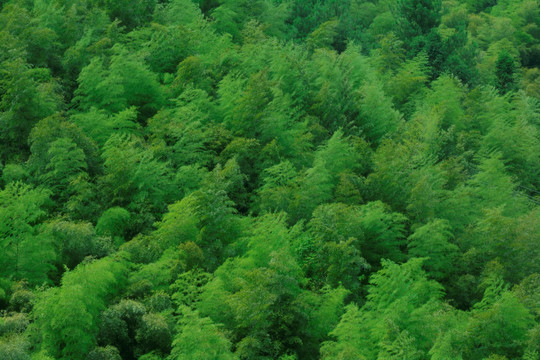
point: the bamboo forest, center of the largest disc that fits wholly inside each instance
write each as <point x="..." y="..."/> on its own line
<point x="269" y="179"/>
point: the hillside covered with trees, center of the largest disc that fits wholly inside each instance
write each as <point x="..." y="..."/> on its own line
<point x="269" y="179"/>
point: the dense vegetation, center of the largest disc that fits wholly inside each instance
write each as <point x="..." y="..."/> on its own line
<point x="269" y="179"/>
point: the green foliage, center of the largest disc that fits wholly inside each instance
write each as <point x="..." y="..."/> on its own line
<point x="178" y="134"/>
<point x="133" y="177"/>
<point x="323" y="36"/>
<point x="139" y="11"/>
<point x="519" y="156"/>
<point x="189" y="286"/>
<point x="336" y="157"/>
<point x="27" y="95"/>
<point x="77" y="240"/>
<point x="434" y="241"/>
<point x="180" y="224"/>
<point x="14" y="348"/>
<point x="205" y="217"/>
<point x="259" y="292"/>
<point x="154" y="334"/>
<point x="67" y="317"/>
<point x="67" y="163"/>
<point x="383" y="232"/>
<point x="125" y="82"/>
<point x="379" y="118"/>
<point x="278" y="186"/>
<point x="200" y="338"/>
<point x="400" y="297"/>
<point x="408" y="81"/>
<point x="118" y="325"/>
<point x="269" y="179"/>
<point x="28" y="253"/>
<point x="508" y="244"/>
<point x="104" y="353"/>
<point x="334" y="256"/>
<point x="113" y="222"/>
<point x="505" y="73"/>
<point x="232" y="15"/>
<point x="13" y="173"/>
<point x="14" y="324"/>
<point x="336" y="79"/>
<point x="78" y="197"/>
<point x="416" y="17"/>
<point x="99" y="126"/>
<point x="499" y="329"/>
<point x="493" y="187"/>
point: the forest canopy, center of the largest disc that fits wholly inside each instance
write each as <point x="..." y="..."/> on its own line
<point x="269" y="179"/>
